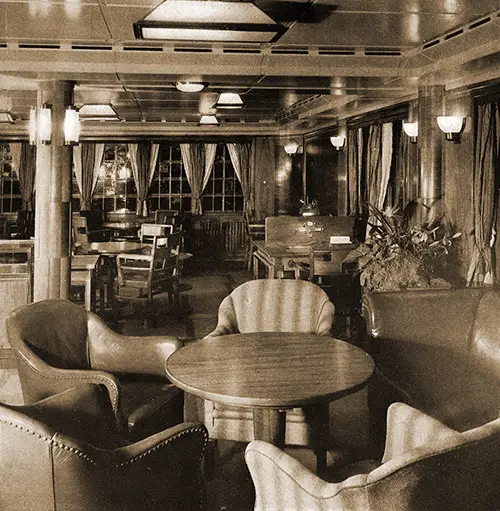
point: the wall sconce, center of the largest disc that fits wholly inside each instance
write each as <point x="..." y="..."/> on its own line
<point x="452" y="126"/>
<point x="71" y="126"/>
<point x="40" y="125"/>
<point x="411" y="129"/>
<point x="338" y="142"/>
<point x="32" y="126"/>
<point x="44" y="124"/>
<point x="291" y="147"/>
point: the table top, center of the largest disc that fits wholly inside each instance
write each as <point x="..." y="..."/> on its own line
<point x="114" y="247"/>
<point x="270" y="369"/>
<point x="84" y="262"/>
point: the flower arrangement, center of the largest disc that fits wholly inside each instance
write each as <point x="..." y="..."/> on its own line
<point x="399" y="253"/>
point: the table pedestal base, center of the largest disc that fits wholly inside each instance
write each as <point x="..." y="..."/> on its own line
<point x="269" y="425"/>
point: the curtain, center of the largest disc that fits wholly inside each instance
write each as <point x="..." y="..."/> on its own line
<point x="198" y="160"/>
<point x="355" y="153"/>
<point x="378" y="161"/>
<point x="264" y="175"/>
<point x="143" y="157"/>
<point x="87" y="159"/>
<point x="240" y="155"/>
<point x="24" y="163"/>
<point x="484" y="194"/>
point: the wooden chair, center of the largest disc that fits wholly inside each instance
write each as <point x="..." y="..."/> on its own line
<point x="255" y="231"/>
<point x="148" y="232"/>
<point x="142" y="276"/>
<point x="167" y="216"/>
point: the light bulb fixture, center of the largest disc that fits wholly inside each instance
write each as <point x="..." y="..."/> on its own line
<point x="189" y="86"/>
<point x="32" y="126"/>
<point x="411" y="129"/>
<point x="200" y="20"/>
<point x="452" y="126"/>
<point x="229" y="100"/>
<point x="291" y="147"/>
<point x="209" y="120"/>
<point x="338" y="142"/>
<point x="71" y="126"/>
<point x="44" y="124"/>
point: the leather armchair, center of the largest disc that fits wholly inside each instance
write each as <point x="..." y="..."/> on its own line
<point x="426" y="465"/>
<point x="64" y="453"/>
<point x="58" y="344"/>
<point x="265" y="305"/>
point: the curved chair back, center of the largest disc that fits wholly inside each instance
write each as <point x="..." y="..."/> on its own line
<point x="276" y="305"/>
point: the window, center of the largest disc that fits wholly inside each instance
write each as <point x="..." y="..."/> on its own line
<point x="223" y="190"/>
<point x="10" y="193"/>
<point x="115" y="188"/>
<point x="169" y="187"/>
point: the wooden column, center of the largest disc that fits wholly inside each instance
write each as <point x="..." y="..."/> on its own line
<point x="53" y="199"/>
<point x="430" y="140"/>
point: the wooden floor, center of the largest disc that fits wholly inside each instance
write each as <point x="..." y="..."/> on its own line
<point x="230" y="488"/>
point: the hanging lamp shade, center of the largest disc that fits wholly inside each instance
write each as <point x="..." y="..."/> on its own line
<point x="229" y="100"/>
<point x="209" y="21"/>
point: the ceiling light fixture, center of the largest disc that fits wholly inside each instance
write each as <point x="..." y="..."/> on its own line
<point x="98" y="112"/>
<point x="338" y="142"/>
<point x="452" y="126"/>
<point x="6" y="117"/>
<point x="210" y="21"/>
<point x="229" y="100"/>
<point x="411" y="129"/>
<point x="189" y="86"/>
<point x="291" y="147"/>
<point x="208" y="120"/>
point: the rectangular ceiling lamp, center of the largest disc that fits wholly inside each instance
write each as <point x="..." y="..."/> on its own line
<point x="204" y="20"/>
<point x="6" y="117"/>
<point x="98" y="112"/>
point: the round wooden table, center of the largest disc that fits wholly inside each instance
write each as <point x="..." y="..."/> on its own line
<point x="271" y="372"/>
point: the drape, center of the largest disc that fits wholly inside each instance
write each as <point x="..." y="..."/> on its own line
<point x="355" y="157"/>
<point x="24" y="164"/>
<point x="378" y="161"/>
<point x="143" y="157"/>
<point x="87" y="159"/>
<point x="198" y="160"/>
<point x="484" y="194"/>
<point x="264" y="175"/>
<point x="240" y="155"/>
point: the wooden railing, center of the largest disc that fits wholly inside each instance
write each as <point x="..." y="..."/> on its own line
<point x="220" y="236"/>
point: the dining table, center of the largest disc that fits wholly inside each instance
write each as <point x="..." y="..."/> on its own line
<point x="84" y="270"/>
<point x="271" y="372"/>
<point x="278" y="257"/>
<point x="108" y="250"/>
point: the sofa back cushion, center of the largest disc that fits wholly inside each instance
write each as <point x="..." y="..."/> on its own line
<point x="420" y="340"/>
<point x="55" y="330"/>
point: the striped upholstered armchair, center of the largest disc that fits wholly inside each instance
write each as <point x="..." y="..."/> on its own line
<point x="265" y="305"/>
<point x="275" y="305"/>
<point x="426" y="465"/>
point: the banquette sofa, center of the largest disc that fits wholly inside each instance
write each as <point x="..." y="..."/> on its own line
<point x="436" y="350"/>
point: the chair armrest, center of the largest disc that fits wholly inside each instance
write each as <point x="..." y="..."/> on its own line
<point x="56" y="380"/>
<point x="409" y="428"/>
<point x="134" y="257"/>
<point x="282" y="483"/>
<point x="116" y="353"/>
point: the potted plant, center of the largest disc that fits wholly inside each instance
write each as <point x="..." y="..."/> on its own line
<point x="400" y="253"/>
